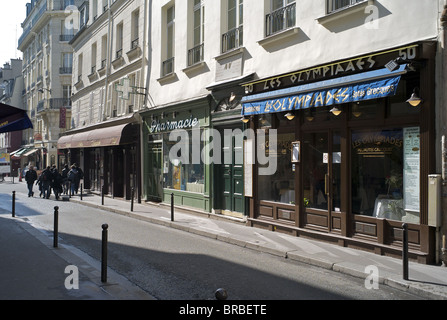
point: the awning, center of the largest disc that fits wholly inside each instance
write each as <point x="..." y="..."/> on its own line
<point x="30" y="152"/>
<point x="103" y="137"/>
<point x="13" y="119"/>
<point x="358" y="87"/>
<point x="18" y="154"/>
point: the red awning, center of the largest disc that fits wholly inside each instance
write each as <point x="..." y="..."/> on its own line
<point x="103" y="137"/>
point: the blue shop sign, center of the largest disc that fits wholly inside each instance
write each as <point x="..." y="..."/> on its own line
<point x="325" y="93"/>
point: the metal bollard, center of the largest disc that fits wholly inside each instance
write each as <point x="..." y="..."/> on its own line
<point x="102" y="195"/>
<point x="69" y="189"/>
<point x="13" y="204"/>
<point x="405" y="251"/>
<point x="81" y="191"/>
<point x="56" y="226"/>
<point x="172" y="207"/>
<point x="104" y="253"/>
<point x="131" y="199"/>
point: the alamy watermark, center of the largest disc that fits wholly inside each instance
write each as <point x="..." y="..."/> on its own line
<point x="189" y="148"/>
<point x="72" y="281"/>
<point x="372" y="280"/>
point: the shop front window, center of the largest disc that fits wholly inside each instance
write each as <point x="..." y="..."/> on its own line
<point x="181" y="172"/>
<point x="279" y="187"/>
<point x="386" y="174"/>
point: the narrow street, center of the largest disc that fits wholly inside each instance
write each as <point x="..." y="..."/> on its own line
<point x="171" y="264"/>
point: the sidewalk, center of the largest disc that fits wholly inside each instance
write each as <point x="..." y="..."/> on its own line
<point x="35" y="270"/>
<point x="424" y="280"/>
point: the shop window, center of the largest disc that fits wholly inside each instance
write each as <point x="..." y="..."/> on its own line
<point x="181" y="172"/>
<point x="385" y="173"/>
<point x="279" y="187"/>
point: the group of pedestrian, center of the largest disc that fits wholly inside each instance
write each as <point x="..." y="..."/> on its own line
<point x="52" y="179"/>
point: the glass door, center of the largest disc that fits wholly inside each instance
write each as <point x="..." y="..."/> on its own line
<point x="321" y="156"/>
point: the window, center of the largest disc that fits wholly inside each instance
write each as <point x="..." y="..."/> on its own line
<point x="168" y="63"/>
<point x="80" y="62"/>
<point x="233" y="38"/>
<point x="281" y="17"/>
<point x="103" y="51"/>
<point x="334" y="5"/>
<point x="119" y="40"/>
<point x="279" y="187"/>
<point x="195" y="54"/>
<point x="67" y="63"/>
<point x="386" y="173"/>
<point x="135" y="29"/>
<point x="93" y="65"/>
<point x="182" y="175"/>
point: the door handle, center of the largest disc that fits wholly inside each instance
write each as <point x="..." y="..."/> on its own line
<point x="326" y="184"/>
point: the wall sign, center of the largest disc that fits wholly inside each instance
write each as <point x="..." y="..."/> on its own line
<point x="170" y="125"/>
<point x="336" y="69"/>
<point x="411" y="168"/>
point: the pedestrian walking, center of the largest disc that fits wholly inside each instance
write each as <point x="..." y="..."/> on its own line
<point x="79" y="177"/>
<point x="45" y="180"/>
<point x="30" y="177"/>
<point x="65" y="181"/>
<point x="73" y="177"/>
<point x="56" y="181"/>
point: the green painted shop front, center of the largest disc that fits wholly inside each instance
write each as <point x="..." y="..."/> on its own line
<point x="175" y="154"/>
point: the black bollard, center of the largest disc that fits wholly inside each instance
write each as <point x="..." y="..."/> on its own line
<point x="131" y="199"/>
<point x="172" y="207"/>
<point x="405" y="251"/>
<point x="56" y="226"/>
<point x="221" y="294"/>
<point x="13" y="204"/>
<point x="69" y="189"/>
<point x="104" y="253"/>
<point x="81" y="191"/>
<point x="102" y="195"/>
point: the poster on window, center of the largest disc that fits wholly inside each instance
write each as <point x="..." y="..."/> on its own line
<point x="411" y="168"/>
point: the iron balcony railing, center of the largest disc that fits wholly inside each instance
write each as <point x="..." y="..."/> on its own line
<point x="281" y="19"/>
<point x="53" y="104"/>
<point x="195" y="55"/>
<point x="233" y="39"/>
<point x="168" y="66"/>
<point x="334" y="5"/>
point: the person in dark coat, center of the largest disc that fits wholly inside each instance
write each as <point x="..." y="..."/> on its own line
<point x="65" y="181"/>
<point x="45" y="179"/>
<point x="30" y="177"/>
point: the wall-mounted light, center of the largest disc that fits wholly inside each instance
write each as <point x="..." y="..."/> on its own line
<point x="356" y="110"/>
<point x="232" y="97"/>
<point x="290" y="116"/>
<point x="42" y="89"/>
<point x="335" y="111"/>
<point x="245" y="119"/>
<point x="415" y="99"/>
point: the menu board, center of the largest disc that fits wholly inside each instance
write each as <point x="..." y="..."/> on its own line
<point x="412" y="148"/>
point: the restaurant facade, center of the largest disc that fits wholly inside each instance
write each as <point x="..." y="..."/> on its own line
<point x="353" y="156"/>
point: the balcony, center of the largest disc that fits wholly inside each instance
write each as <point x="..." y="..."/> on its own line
<point x="168" y="66"/>
<point x="66" y="37"/>
<point x="281" y="19"/>
<point x="65" y="70"/>
<point x="195" y="55"/>
<point x="53" y="104"/>
<point x="233" y="39"/>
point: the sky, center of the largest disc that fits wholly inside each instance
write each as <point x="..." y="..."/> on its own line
<point x="12" y="14"/>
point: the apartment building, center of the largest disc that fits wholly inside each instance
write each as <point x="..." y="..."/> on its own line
<point x="11" y="86"/>
<point x="348" y="89"/>
<point x="47" y="71"/>
<point x="108" y="89"/>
